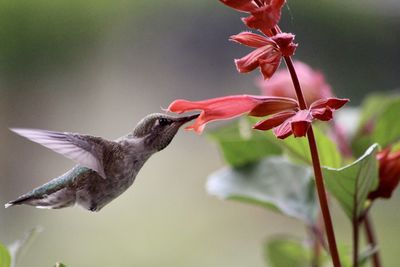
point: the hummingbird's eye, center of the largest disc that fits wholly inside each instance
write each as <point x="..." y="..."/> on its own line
<point x="164" y="121"/>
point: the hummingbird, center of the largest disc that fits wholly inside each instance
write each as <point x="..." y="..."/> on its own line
<point x="105" y="168"/>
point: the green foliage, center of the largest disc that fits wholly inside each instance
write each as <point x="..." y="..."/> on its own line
<point x="284" y="252"/>
<point x="5" y="258"/>
<point x="241" y="145"/>
<point x="377" y="123"/>
<point x="289" y="252"/>
<point x="59" y="264"/>
<point x="298" y="149"/>
<point x="387" y="130"/>
<point x="372" y="105"/>
<point x="272" y="183"/>
<point x="351" y="184"/>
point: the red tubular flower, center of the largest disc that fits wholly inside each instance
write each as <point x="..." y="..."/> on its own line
<point x="312" y="82"/>
<point x="268" y="52"/>
<point x="389" y="174"/>
<point x="228" y="107"/>
<point x="264" y="14"/>
<point x="287" y="123"/>
<point x="286" y="117"/>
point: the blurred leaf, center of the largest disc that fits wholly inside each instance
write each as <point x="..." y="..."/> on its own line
<point x="377" y="122"/>
<point x="345" y="255"/>
<point x="287" y="253"/>
<point x="240" y="144"/>
<point x="4" y="256"/>
<point x="387" y="128"/>
<point x="19" y="247"/>
<point x="351" y="184"/>
<point x="396" y="146"/>
<point x="272" y="183"/>
<point x="298" y="149"/>
<point x="372" y="105"/>
<point x="59" y="264"/>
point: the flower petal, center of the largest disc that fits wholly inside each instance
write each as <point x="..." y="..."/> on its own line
<point x="284" y="130"/>
<point x="273" y="121"/>
<point x="285" y="43"/>
<point x="332" y="102"/>
<point x="389" y="174"/>
<point x="265" y="17"/>
<point x="228" y="107"/>
<point x="241" y="5"/>
<point x="251" y="39"/>
<point x="323" y="114"/>
<point x="273" y="105"/>
<point x="300" y="123"/>
<point x="270" y="65"/>
<point x="251" y="60"/>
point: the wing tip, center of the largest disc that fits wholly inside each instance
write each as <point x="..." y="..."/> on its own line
<point x="7" y="205"/>
<point x="22" y="131"/>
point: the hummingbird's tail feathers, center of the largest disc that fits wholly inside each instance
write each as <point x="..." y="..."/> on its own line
<point x="86" y="150"/>
<point x="60" y="199"/>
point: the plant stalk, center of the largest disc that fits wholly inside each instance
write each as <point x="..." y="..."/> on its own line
<point x="370" y="233"/>
<point x="317" y="169"/>
<point x="355" y="241"/>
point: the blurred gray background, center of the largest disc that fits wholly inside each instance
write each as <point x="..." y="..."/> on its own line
<point x="99" y="66"/>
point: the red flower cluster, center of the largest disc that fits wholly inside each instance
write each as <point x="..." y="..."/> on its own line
<point x="389" y="174"/>
<point x="268" y="53"/>
<point x="270" y="47"/>
<point x="286" y="117"/>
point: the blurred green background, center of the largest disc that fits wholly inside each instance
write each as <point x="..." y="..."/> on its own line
<point x="99" y="66"/>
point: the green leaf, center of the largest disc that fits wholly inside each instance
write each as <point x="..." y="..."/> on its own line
<point x="345" y="255"/>
<point x="19" y="247"/>
<point x="5" y="258"/>
<point x="59" y="264"/>
<point x="351" y="184"/>
<point x="272" y="183"/>
<point x="373" y="105"/>
<point x="241" y="145"/>
<point x="378" y="116"/>
<point x="387" y="128"/>
<point x="298" y="149"/>
<point x="287" y="253"/>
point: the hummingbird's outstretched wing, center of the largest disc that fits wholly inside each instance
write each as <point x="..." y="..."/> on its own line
<point x="86" y="150"/>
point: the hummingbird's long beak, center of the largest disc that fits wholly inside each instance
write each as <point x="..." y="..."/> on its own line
<point x="185" y="119"/>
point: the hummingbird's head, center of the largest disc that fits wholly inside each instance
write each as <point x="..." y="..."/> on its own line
<point x="158" y="130"/>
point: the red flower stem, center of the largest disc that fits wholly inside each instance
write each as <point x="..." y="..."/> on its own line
<point x="296" y="83"/>
<point x="319" y="180"/>
<point x="370" y="233"/>
<point x="323" y="201"/>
